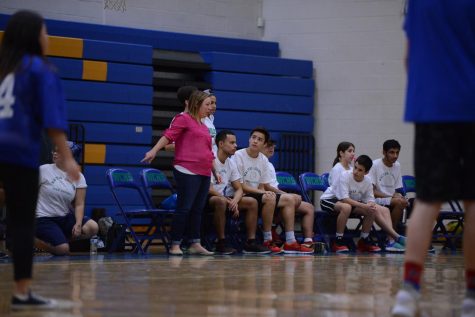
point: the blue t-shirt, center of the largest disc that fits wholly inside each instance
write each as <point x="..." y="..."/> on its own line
<point x="441" y="64"/>
<point x="31" y="99"/>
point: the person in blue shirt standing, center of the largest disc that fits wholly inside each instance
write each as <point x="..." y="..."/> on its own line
<point x="441" y="102"/>
<point x="31" y="99"/>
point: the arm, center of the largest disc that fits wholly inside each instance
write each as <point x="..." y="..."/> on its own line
<point x="170" y="147"/>
<point x="233" y="203"/>
<point x="70" y="166"/>
<point x="150" y="155"/>
<point x="213" y="192"/>
<point x="79" y="211"/>
<point x="379" y="194"/>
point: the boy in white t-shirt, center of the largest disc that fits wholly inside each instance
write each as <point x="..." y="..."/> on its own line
<point x="228" y="195"/>
<point x="305" y="209"/>
<point x="256" y="177"/>
<point x="352" y="192"/>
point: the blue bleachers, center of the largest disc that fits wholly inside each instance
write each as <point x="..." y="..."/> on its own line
<point x="109" y="112"/>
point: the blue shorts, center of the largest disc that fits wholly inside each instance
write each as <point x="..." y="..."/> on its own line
<point x="56" y="230"/>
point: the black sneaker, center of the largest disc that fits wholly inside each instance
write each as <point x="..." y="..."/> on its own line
<point x="252" y="247"/>
<point x="32" y="302"/>
<point x="222" y="249"/>
<point x="3" y="255"/>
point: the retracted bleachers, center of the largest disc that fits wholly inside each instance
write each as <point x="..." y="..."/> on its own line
<point x="277" y="93"/>
<point x="121" y="84"/>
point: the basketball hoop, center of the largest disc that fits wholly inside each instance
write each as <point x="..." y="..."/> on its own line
<point x="115" y="5"/>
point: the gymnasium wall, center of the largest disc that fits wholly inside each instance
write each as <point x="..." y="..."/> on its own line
<point x="357" y="48"/>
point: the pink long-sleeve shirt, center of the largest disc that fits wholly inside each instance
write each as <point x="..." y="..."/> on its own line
<point x="192" y="144"/>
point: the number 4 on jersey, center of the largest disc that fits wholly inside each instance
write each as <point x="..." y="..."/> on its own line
<point x="6" y="97"/>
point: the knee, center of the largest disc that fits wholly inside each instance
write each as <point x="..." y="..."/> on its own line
<point x="344" y="209"/>
<point x="219" y="203"/>
<point x="62" y="249"/>
<point x="269" y="201"/>
<point x="90" y="228"/>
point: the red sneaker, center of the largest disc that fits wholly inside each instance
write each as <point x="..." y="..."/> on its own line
<point x="297" y="248"/>
<point x="276" y="237"/>
<point x="272" y="247"/>
<point x="339" y="247"/>
<point x="367" y="245"/>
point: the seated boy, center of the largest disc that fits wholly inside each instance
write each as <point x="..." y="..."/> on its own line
<point x="352" y="193"/>
<point x="305" y="209"/>
<point x="254" y="169"/>
<point x="228" y="195"/>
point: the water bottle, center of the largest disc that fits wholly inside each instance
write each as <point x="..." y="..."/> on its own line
<point x="93" y="247"/>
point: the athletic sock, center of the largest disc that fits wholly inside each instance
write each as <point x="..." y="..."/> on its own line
<point x="413" y="274"/>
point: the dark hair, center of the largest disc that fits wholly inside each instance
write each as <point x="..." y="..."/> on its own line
<point x="270" y="143"/>
<point x="342" y="147"/>
<point x="391" y="144"/>
<point x="184" y="93"/>
<point x="366" y="161"/>
<point x="21" y="37"/>
<point x="222" y="135"/>
<point x="263" y="131"/>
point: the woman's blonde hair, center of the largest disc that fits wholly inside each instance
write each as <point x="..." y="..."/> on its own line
<point x="194" y="104"/>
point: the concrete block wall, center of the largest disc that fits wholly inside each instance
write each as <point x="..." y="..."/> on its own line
<point x="227" y="18"/>
<point x="357" y="47"/>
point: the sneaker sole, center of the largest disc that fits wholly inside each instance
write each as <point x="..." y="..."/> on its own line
<point x="256" y="253"/>
<point x="298" y="252"/>
<point x="394" y="250"/>
<point x="51" y="305"/>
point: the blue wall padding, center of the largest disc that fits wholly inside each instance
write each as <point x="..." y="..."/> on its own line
<point x="132" y="74"/>
<point x="271" y="121"/>
<point x="125" y="154"/>
<point x="157" y="39"/>
<point x="107" y="92"/>
<point x="109" y="112"/>
<point x="242" y="63"/>
<point x="117" y="133"/>
<point x="96" y="174"/>
<point x="118" y="52"/>
<point x="231" y="100"/>
<point x="260" y="83"/>
<point x="67" y="68"/>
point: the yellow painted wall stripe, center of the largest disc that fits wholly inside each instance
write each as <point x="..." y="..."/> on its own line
<point x="92" y="70"/>
<point x="95" y="153"/>
<point x="65" y="47"/>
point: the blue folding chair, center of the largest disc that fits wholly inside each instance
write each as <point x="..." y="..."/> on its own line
<point x="123" y="186"/>
<point x="152" y="178"/>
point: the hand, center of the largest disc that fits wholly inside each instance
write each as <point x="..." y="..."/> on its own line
<point x="397" y="195"/>
<point x="149" y="156"/>
<point x="232" y="204"/>
<point x="269" y="195"/>
<point x="72" y="169"/>
<point x="77" y="230"/>
<point x="218" y="178"/>
<point x="371" y="205"/>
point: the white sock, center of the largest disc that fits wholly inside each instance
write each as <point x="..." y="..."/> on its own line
<point x="267" y="235"/>
<point x="307" y="240"/>
<point x="289" y="237"/>
<point x="339" y="235"/>
<point x="364" y="235"/>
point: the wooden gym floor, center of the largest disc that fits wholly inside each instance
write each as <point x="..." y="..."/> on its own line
<point x="157" y="285"/>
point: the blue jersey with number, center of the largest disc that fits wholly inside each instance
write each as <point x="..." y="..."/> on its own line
<point x="31" y="99"/>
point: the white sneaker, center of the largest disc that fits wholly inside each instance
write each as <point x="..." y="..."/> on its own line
<point x="406" y="304"/>
<point x="468" y="307"/>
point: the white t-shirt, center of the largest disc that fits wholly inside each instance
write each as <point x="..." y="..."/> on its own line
<point x="348" y="187"/>
<point x="386" y="179"/>
<point x="56" y="192"/>
<point x="209" y="123"/>
<point x="335" y="173"/>
<point x="274" y="183"/>
<point x="254" y="171"/>
<point x="229" y="173"/>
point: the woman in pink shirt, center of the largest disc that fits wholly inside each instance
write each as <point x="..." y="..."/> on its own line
<point x="192" y="170"/>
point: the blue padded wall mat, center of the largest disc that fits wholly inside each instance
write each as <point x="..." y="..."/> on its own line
<point x="232" y="100"/>
<point x="260" y="83"/>
<point x="107" y="92"/>
<point x="117" y="133"/>
<point x="271" y="121"/>
<point x="255" y="64"/>
<point x="109" y="112"/>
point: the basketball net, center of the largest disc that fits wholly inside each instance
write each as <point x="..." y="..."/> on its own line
<point x="115" y="5"/>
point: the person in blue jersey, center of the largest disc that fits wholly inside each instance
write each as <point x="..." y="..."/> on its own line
<point x="440" y="101"/>
<point x="31" y="100"/>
